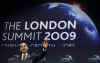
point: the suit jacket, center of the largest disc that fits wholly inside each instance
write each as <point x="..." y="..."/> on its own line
<point x="31" y="58"/>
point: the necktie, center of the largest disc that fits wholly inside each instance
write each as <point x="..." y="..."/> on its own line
<point x="24" y="57"/>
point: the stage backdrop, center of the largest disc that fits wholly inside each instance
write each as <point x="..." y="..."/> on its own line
<point x="70" y="32"/>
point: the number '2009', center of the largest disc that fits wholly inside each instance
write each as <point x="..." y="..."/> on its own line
<point x="62" y="36"/>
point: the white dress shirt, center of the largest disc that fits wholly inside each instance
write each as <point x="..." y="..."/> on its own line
<point x="26" y="54"/>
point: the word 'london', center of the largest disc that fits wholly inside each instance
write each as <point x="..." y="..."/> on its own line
<point x="35" y="25"/>
<point x="39" y="25"/>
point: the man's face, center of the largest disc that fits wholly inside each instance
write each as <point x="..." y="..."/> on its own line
<point x="24" y="48"/>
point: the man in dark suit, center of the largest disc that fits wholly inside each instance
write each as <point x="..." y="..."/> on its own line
<point x="25" y="57"/>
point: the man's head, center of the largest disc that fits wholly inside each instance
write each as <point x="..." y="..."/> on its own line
<point x="23" y="47"/>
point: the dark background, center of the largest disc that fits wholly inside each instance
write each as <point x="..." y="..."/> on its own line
<point x="91" y="7"/>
